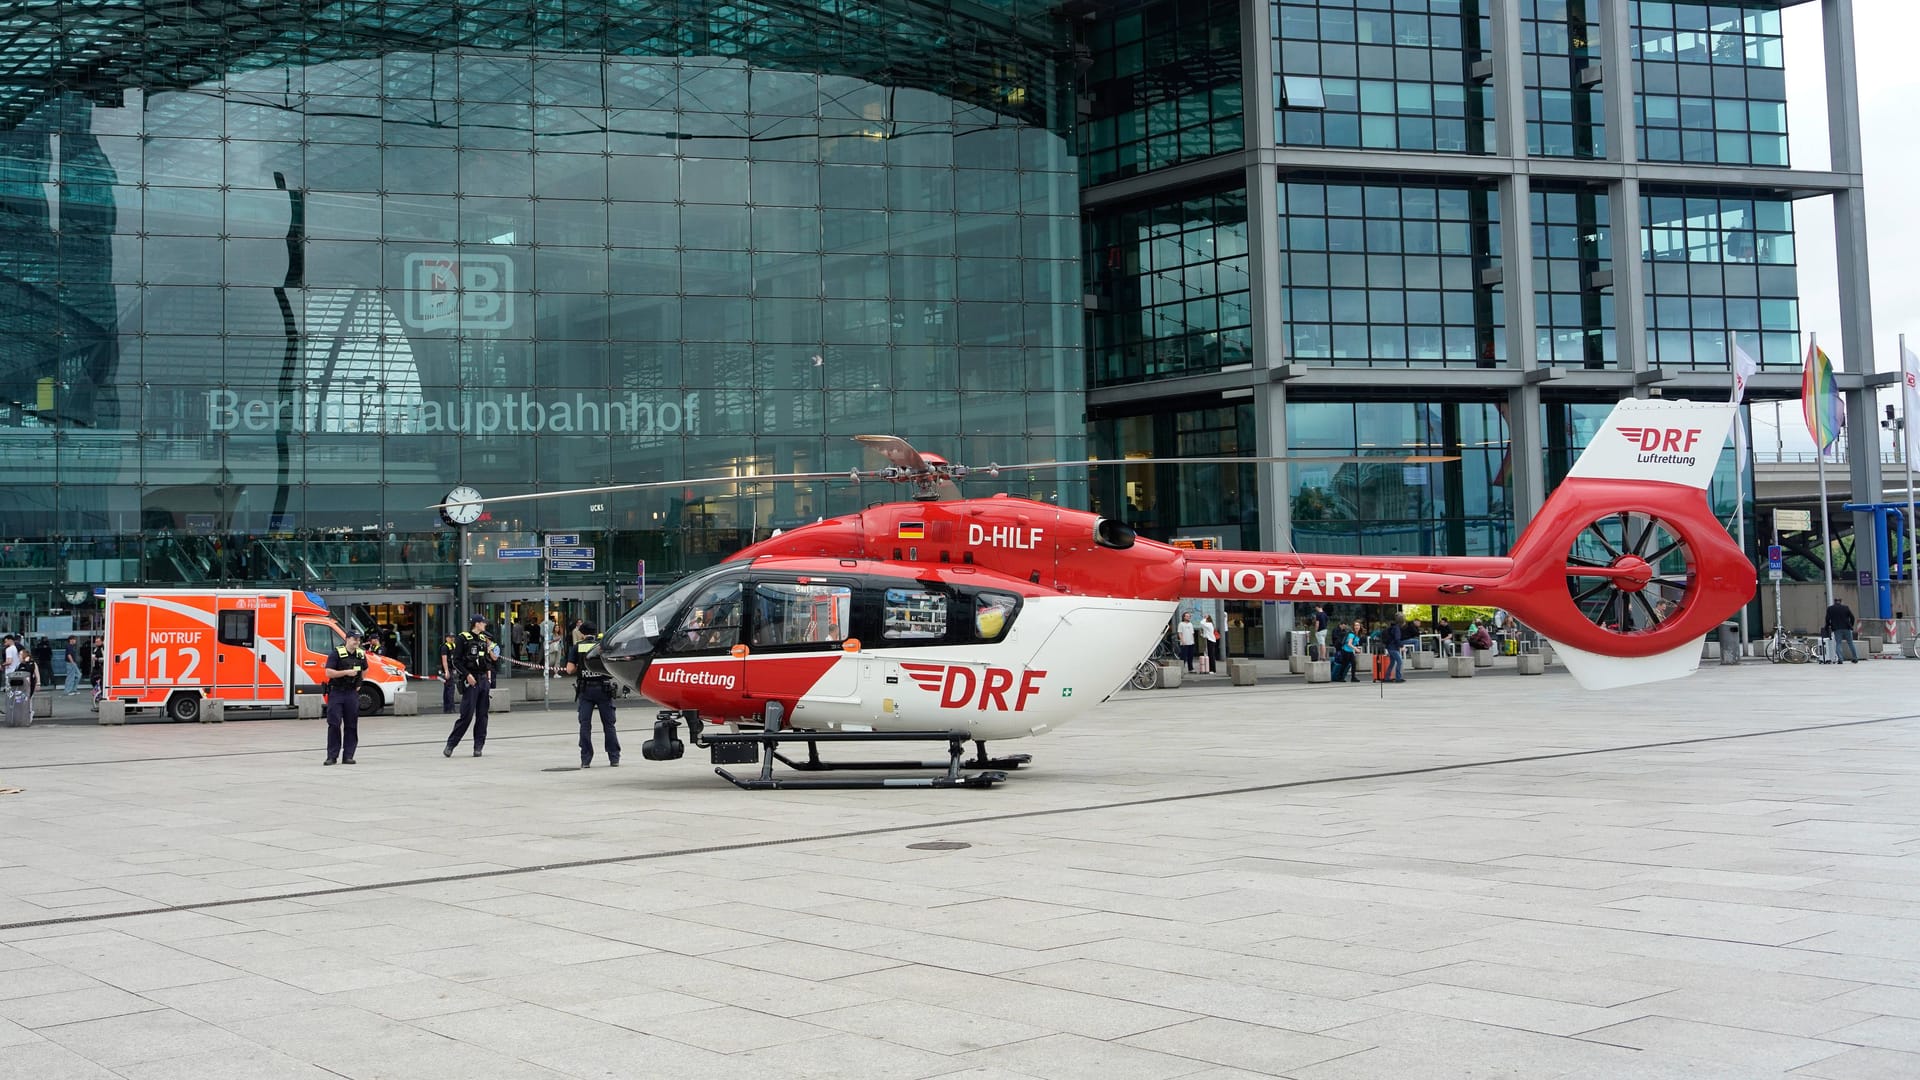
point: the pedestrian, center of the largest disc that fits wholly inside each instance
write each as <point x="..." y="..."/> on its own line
<point x="97" y="668"/>
<point x="1320" y="627"/>
<point x="1185" y="631"/>
<point x="43" y="658"/>
<point x="1840" y="625"/>
<point x="13" y="654"/>
<point x="474" y="661"/>
<point x="593" y="689"/>
<point x="1350" y="644"/>
<point x="343" y="673"/>
<point x="1210" y="642"/>
<point x="1390" y="638"/>
<point x="449" y="677"/>
<point x="72" y="659"/>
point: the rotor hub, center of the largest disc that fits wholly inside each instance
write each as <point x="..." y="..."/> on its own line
<point x="1631" y="573"/>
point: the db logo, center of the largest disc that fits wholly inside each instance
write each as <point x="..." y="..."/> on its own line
<point x="1666" y="440"/>
<point x="960" y="686"/>
<point x="452" y="292"/>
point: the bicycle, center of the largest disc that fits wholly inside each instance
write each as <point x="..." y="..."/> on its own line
<point x="1146" y="675"/>
<point x="1784" y="648"/>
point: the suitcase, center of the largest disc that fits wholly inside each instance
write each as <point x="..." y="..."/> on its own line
<point x="19" y="708"/>
<point x="1382" y="663"/>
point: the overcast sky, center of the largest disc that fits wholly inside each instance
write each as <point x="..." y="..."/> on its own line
<point x="1884" y="32"/>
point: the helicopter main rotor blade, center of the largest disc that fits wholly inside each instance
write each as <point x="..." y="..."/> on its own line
<point x="652" y="485"/>
<point x="898" y="451"/>
<point x="1344" y="459"/>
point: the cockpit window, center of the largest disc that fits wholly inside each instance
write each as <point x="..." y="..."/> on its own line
<point x="711" y="623"/>
<point x="789" y="613"/>
<point x="643" y="622"/>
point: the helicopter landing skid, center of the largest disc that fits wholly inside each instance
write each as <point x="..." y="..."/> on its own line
<point x="739" y="749"/>
<point x="980" y="760"/>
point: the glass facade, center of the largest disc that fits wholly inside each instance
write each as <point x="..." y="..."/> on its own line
<point x="264" y="307"/>
<point x="1712" y="83"/>
<point x="1163" y="86"/>
<point x="1720" y="273"/>
<point x="1390" y="273"/>
<point x="1572" y="272"/>
<point x="1169" y="284"/>
<point x="1566" y="104"/>
<point x="1451" y="508"/>
<point x="1386" y="76"/>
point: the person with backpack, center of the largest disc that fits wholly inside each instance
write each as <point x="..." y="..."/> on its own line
<point x="473" y="660"/>
<point x="593" y="688"/>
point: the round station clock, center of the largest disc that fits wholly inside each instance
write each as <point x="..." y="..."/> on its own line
<point x="462" y="506"/>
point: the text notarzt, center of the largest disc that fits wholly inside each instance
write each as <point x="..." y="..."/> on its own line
<point x="633" y="414"/>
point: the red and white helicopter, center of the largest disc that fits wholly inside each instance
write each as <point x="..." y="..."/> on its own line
<point x="998" y="618"/>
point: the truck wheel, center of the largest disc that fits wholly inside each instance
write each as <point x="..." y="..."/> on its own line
<point x="184" y="707"/>
<point x="369" y="700"/>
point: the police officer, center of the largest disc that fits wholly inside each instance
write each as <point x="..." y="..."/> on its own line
<point x="449" y="678"/>
<point x="473" y="660"/>
<point x="344" y="669"/>
<point x="593" y="688"/>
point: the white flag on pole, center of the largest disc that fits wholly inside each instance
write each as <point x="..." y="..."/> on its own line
<point x="1743" y="368"/>
<point x="1910" y="380"/>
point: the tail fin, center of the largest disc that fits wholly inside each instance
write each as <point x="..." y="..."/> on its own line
<point x="1626" y="564"/>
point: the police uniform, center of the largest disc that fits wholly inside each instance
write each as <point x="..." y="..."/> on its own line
<point x="593" y="688"/>
<point x="450" y="676"/>
<point x="343" y="703"/>
<point x="472" y="660"/>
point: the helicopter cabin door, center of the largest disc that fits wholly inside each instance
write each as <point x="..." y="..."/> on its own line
<point x="798" y="626"/>
<point x="703" y="653"/>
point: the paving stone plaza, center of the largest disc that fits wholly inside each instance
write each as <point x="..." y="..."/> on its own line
<point x="1494" y="877"/>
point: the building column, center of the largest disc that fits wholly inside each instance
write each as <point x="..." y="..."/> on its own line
<point x="1623" y="196"/>
<point x="1856" y="293"/>
<point x="1526" y="490"/>
<point x="1264" y="278"/>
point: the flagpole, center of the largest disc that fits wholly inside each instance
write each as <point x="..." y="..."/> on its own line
<point x="1826" y="531"/>
<point x="1739" y="469"/>
<point x="1906" y="443"/>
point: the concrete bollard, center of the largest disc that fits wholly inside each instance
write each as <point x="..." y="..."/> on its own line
<point x="1483" y="658"/>
<point x="1422" y="660"/>
<point x="309" y="706"/>
<point x="1319" y="671"/>
<point x="1531" y="664"/>
<point x="1460" y="667"/>
<point x="213" y="711"/>
<point x="113" y="712"/>
<point x="43" y="706"/>
<point x="1711" y="651"/>
<point x="1297" y="663"/>
<point x="406" y="703"/>
<point x="1240" y="672"/>
<point x="500" y="699"/>
<point x="1170" y="676"/>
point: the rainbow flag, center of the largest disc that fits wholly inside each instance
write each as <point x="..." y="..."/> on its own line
<point x="1826" y="415"/>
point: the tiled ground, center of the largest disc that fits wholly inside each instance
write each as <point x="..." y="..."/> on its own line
<point x="1203" y="883"/>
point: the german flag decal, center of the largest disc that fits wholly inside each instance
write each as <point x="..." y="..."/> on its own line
<point x="912" y="530"/>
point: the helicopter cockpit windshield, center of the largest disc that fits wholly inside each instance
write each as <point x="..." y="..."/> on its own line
<point x="629" y="643"/>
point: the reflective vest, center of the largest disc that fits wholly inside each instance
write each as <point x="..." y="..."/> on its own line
<point x="582" y="649"/>
<point x="346" y="658"/>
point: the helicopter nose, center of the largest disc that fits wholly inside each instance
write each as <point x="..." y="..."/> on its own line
<point x="627" y="670"/>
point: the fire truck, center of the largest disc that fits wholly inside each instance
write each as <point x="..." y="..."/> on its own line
<point x="173" y="649"/>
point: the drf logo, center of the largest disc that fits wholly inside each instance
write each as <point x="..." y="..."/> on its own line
<point x="455" y="292"/>
<point x="1663" y="440"/>
<point x="960" y="686"/>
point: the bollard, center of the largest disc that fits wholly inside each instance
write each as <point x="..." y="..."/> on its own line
<point x="1729" y="643"/>
<point x="1297" y="663"/>
<point x="406" y="703"/>
<point x="500" y="699"/>
<point x="1460" y="667"/>
<point x="213" y="711"/>
<point x="1170" y="676"/>
<point x="1319" y="671"/>
<point x="1483" y="658"/>
<point x="1423" y="660"/>
<point x="113" y="712"/>
<point x="1240" y="673"/>
<point x="1530" y="663"/>
<point x="309" y="706"/>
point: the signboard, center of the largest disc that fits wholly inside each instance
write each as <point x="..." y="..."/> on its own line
<point x="1793" y="520"/>
<point x="1776" y="575"/>
<point x="569" y="552"/>
<point x="518" y="553"/>
<point x="1776" y="559"/>
<point x="570" y="564"/>
<point x="563" y="539"/>
<point x="1866" y="579"/>
<point x="1197" y="543"/>
<point x="1413" y="475"/>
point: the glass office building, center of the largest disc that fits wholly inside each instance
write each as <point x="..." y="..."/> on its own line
<point x="1466" y="227"/>
<point x="274" y="279"/>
